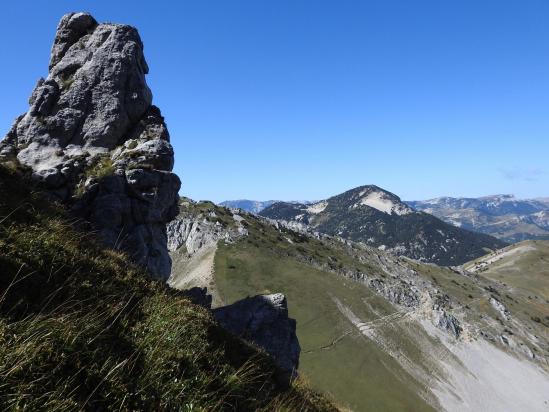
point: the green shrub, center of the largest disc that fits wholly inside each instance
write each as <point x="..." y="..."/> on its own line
<point x="102" y="167"/>
<point x="132" y="144"/>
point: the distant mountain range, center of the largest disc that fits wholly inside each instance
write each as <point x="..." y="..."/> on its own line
<point x="252" y="206"/>
<point x="379" y="218"/>
<point x="503" y="216"/>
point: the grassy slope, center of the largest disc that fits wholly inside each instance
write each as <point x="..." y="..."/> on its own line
<point x="355" y="370"/>
<point x="81" y="328"/>
<point x="527" y="271"/>
<point x="361" y="370"/>
<point x="525" y="275"/>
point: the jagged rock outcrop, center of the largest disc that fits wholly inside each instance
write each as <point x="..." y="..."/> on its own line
<point x="93" y="140"/>
<point x="264" y="320"/>
<point x="447" y="322"/>
<point x="194" y="233"/>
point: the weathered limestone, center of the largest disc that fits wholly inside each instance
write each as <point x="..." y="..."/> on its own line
<point x="93" y="140"/>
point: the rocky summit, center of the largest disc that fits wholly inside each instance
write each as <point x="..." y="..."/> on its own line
<point x="93" y="140"/>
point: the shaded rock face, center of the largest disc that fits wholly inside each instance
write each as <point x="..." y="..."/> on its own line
<point x="264" y="320"/>
<point x="93" y="140"/>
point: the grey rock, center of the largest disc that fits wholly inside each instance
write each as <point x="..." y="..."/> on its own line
<point x="195" y="232"/>
<point x="93" y="140"/>
<point x="401" y="294"/>
<point x="199" y="296"/>
<point x="448" y="323"/>
<point x="263" y="320"/>
<point x="500" y="307"/>
<point x="95" y="90"/>
<point x="71" y="28"/>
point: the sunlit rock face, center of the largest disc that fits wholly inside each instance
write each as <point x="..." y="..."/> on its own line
<point x="93" y="140"/>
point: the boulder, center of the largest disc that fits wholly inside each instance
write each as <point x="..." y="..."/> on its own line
<point x="263" y="320"/>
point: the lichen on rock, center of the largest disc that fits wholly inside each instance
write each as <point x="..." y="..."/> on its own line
<point x="93" y="140"/>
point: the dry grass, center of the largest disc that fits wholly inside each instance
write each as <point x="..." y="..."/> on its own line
<point x="82" y="329"/>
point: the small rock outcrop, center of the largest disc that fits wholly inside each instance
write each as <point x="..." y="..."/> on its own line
<point x="263" y="320"/>
<point x="448" y="323"/>
<point x="93" y="140"/>
<point x="500" y="307"/>
<point x="195" y="229"/>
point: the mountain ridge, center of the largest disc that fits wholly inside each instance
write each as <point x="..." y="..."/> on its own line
<point x="254" y="206"/>
<point x="380" y="218"/>
<point x="503" y="216"/>
<point x="428" y="332"/>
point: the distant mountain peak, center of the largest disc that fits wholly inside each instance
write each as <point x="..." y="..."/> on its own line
<point x="378" y="218"/>
<point x="500" y="196"/>
<point x="377" y="198"/>
<point x="256" y="206"/>
<point x="252" y="206"/>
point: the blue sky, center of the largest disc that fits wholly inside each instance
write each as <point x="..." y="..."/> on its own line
<point x="292" y="99"/>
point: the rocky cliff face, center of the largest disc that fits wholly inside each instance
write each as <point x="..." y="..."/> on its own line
<point x="93" y="140"/>
<point x="202" y="224"/>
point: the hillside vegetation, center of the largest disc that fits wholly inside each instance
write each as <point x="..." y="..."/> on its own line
<point x="377" y="332"/>
<point x="83" y="329"/>
<point x="523" y="269"/>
